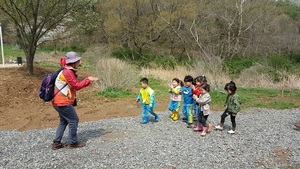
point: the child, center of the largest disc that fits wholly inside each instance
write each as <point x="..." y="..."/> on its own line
<point x="232" y="106"/>
<point x="187" y="106"/>
<point x="175" y="98"/>
<point x="198" y="81"/>
<point x="146" y="98"/>
<point x="204" y="103"/>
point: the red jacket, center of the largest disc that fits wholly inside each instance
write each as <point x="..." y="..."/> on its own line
<point x="66" y="96"/>
<point x="197" y="91"/>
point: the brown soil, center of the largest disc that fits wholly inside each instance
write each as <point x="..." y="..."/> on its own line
<point x="22" y="109"/>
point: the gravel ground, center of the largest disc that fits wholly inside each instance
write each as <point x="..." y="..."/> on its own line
<point x="265" y="138"/>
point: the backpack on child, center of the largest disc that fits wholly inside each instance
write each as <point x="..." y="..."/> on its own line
<point x="46" y="92"/>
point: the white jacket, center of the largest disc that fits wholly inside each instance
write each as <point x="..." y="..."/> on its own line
<point x="204" y="101"/>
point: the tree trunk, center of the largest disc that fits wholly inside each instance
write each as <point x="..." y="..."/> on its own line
<point x="29" y="58"/>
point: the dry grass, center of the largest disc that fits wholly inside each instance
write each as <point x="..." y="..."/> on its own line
<point x="113" y="73"/>
<point x="252" y="77"/>
<point x="212" y="68"/>
<point x="216" y="76"/>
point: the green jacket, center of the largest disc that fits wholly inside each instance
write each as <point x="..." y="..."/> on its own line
<point x="233" y="103"/>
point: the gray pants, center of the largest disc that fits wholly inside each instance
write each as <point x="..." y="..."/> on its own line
<point x="69" y="117"/>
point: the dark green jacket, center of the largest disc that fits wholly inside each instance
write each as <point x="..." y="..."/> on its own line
<point x="233" y="103"/>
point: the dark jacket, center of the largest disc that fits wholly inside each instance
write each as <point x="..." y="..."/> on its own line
<point x="233" y="103"/>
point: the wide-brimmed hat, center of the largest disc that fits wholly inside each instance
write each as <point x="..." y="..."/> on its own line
<point x="72" y="57"/>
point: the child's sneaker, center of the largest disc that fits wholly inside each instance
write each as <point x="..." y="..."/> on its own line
<point x="189" y="125"/>
<point x="218" y="127"/>
<point x="231" y="131"/>
<point x="144" y="122"/>
<point x="156" y="118"/>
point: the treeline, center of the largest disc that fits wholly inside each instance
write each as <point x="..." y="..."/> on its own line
<point x="199" y="28"/>
<point x="185" y="29"/>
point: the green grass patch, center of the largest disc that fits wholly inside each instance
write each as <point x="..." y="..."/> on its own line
<point x="260" y="98"/>
<point x="116" y="93"/>
<point x="50" y="64"/>
<point x="11" y="52"/>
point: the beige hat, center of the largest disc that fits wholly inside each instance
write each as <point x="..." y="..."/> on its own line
<point x="72" y="57"/>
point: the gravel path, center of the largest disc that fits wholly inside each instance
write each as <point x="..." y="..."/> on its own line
<point x="265" y="138"/>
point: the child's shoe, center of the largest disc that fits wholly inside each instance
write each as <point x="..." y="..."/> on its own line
<point x="173" y="114"/>
<point x="218" y="127"/>
<point x="209" y="128"/>
<point x="199" y="127"/>
<point x="231" y="131"/>
<point x="189" y="125"/>
<point x="144" y="122"/>
<point x="175" y="118"/>
<point x="203" y="133"/>
<point x="156" y="118"/>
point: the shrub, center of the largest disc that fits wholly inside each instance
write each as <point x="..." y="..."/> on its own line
<point x="116" y="74"/>
<point x="237" y="65"/>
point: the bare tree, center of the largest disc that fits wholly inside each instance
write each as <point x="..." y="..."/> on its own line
<point x="34" y="18"/>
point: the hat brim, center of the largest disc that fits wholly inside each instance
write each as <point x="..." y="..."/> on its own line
<point x="73" y="60"/>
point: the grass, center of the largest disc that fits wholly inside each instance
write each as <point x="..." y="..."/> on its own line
<point x="260" y="98"/>
<point x="251" y="97"/>
<point x="11" y="52"/>
<point x="116" y="93"/>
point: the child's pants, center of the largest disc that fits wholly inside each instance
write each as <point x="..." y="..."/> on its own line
<point x="145" y="109"/>
<point x="232" y="117"/>
<point x="174" y="106"/>
<point x="203" y="118"/>
<point x="196" y="111"/>
<point x="187" y="111"/>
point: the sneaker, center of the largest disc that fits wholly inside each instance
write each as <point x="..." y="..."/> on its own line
<point x="231" y="132"/>
<point x="57" y="145"/>
<point x="189" y="125"/>
<point x="156" y="118"/>
<point x="77" y="145"/>
<point x="184" y="119"/>
<point x="218" y="127"/>
<point x="144" y="122"/>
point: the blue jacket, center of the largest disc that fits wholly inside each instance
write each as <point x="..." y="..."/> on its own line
<point x="187" y="94"/>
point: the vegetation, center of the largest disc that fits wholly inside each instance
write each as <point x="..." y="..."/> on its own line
<point x="116" y="93"/>
<point x="33" y="19"/>
<point x="255" y="43"/>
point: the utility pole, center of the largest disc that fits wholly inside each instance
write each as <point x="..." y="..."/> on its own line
<point x="2" y="52"/>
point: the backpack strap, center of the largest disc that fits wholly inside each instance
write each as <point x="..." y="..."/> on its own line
<point x="62" y="87"/>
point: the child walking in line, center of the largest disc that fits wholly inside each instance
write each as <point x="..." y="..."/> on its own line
<point x="147" y="100"/>
<point x="187" y="106"/>
<point x="232" y="106"/>
<point x="204" y="108"/>
<point x="198" y="81"/>
<point x="175" y="98"/>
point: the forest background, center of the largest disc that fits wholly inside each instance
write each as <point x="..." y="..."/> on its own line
<point x="256" y="43"/>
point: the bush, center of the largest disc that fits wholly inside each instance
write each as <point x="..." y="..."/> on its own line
<point x="279" y="62"/>
<point x="116" y="74"/>
<point x="150" y="59"/>
<point x="237" y="65"/>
